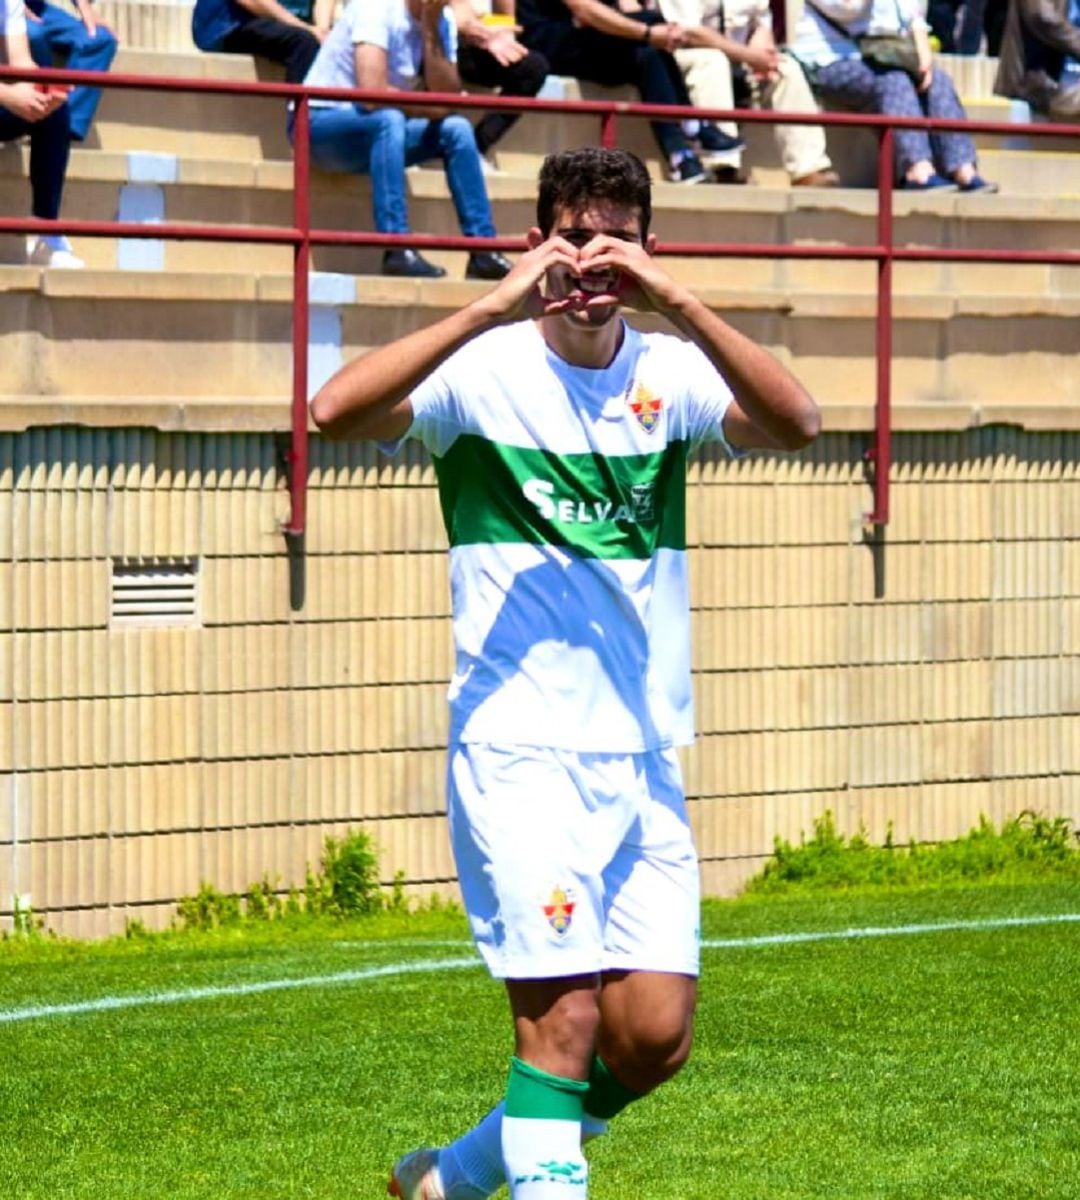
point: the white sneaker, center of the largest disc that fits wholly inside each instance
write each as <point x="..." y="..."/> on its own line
<point x="488" y="165"/>
<point x="52" y="251"/>
<point x="416" y="1177"/>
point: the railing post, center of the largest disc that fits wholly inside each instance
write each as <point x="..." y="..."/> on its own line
<point x="880" y="456"/>
<point x="607" y="130"/>
<point x="298" y="451"/>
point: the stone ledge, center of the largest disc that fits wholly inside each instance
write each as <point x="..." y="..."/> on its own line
<point x="266" y="414"/>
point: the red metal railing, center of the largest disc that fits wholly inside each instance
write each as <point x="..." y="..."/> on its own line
<point x="302" y="237"/>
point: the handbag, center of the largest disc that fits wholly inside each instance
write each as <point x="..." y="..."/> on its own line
<point x="890" y="52"/>
<point x="880" y="51"/>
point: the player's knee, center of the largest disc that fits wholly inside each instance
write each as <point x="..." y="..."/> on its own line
<point x="649" y="1053"/>
<point x="456" y="131"/>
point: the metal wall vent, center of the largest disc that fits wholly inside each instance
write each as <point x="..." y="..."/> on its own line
<point x="157" y="592"/>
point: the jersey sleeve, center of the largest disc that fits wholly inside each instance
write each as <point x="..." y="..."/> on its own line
<point x="437" y="411"/>
<point x="706" y="398"/>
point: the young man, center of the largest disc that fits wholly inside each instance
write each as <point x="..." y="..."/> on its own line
<point x="403" y="46"/>
<point x="560" y="437"/>
<point x="40" y="112"/>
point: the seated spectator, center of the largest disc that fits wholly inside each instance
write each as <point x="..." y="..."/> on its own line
<point x="591" y="40"/>
<point x="40" y="112"/>
<point x="741" y="31"/>
<point x="404" y="46"/>
<point x="490" y="55"/>
<point x="83" y="45"/>
<point x="825" y="43"/>
<point x="1040" y="57"/>
<point x="266" y="28"/>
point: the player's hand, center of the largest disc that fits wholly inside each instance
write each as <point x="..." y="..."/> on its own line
<point x="667" y="36"/>
<point x="765" y="63"/>
<point x="520" y="295"/>
<point x="636" y="278"/>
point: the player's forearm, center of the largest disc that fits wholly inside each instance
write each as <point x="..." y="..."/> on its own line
<point x="700" y="37"/>
<point x="767" y="392"/>
<point x="440" y="74"/>
<point x="360" y="400"/>
<point x="606" y="20"/>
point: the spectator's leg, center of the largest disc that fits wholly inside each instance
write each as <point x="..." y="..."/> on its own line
<point x="802" y="147"/>
<point x="611" y="61"/>
<point x="994" y="25"/>
<point x="366" y="143"/>
<point x="452" y="139"/>
<point x="50" y="145"/>
<point x="66" y="35"/>
<point x="523" y="78"/>
<point x="941" y="17"/>
<point x="950" y="151"/>
<point x="851" y="84"/>
<point x="294" y="48"/>
<point x="707" y="76"/>
<point x="969" y="40"/>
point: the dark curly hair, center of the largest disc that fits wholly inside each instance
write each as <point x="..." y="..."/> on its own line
<point x="573" y="179"/>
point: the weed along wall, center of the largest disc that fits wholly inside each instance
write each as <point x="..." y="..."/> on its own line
<point x="184" y="701"/>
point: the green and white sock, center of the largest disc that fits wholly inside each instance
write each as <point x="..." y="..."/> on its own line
<point x="541" y="1135"/>
<point x="472" y="1167"/>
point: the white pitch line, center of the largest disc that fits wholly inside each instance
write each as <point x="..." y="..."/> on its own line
<point x="181" y="996"/>
<point x="871" y="931"/>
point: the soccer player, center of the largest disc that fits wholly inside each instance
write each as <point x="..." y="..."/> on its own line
<point x="560" y="437"/>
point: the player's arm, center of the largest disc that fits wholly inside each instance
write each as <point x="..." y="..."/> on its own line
<point x="26" y="100"/>
<point x="771" y="408"/>
<point x="369" y="397"/>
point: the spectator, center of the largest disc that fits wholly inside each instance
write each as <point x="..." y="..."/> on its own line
<point x="40" y="112"/>
<point x="588" y="39"/>
<point x="82" y="42"/>
<point x="1040" y="57"/>
<point x="741" y="30"/>
<point x="826" y="45"/>
<point x="403" y="45"/>
<point x="490" y="55"/>
<point x="265" y="28"/>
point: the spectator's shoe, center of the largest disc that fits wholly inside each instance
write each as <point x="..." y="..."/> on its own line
<point x="487" y="264"/>
<point x="826" y="178"/>
<point x="977" y="184"/>
<point x="934" y="183"/>
<point x="52" y="251"/>
<point x="416" y="1177"/>
<point x="729" y="174"/>
<point x="711" y="140"/>
<point x="412" y="263"/>
<point x="686" y="168"/>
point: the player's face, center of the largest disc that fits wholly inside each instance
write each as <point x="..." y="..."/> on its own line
<point x="579" y="226"/>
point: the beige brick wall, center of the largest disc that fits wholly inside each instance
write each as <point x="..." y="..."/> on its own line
<point x="923" y="682"/>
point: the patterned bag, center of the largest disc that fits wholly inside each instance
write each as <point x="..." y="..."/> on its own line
<point x="890" y="52"/>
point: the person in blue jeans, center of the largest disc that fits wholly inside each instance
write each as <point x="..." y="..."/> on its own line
<point x="83" y="43"/>
<point x="40" y="112"/>
<point x="401" y="45"/>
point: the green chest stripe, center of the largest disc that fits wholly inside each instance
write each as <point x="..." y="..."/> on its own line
<point x="599" y="506"/>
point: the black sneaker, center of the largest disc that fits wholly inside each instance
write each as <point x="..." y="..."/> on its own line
<point x="487" y="264"/>
<point x="687" y="168"/>
<point x="716" y="141"/>
<point x="411" y="263"/>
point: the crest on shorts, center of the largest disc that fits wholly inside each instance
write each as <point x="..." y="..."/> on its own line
<point x="646" y="407"/>
<point x="559" y="911"/>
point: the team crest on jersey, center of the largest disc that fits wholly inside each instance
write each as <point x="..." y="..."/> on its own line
<point x="559" y="911"/>
<point x="646" y="407"/>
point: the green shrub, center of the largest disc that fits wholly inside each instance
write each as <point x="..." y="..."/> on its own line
<point x="1027" y="846"/>
<point x="346" y="885"/>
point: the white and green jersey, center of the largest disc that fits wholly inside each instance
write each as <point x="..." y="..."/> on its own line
<point x="563" y="490"/>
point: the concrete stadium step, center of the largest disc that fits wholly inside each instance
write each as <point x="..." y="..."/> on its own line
<point x="106" y="185"/>
<point x="239" y="129"/>
<point x="130" y="337"/>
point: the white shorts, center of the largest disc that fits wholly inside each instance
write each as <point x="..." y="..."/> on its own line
<point x="572" y="864"/>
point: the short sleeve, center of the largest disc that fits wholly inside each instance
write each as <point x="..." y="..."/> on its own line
<point x="12" y="18"/>
<point x="368" y="23"/>
<point x="437" y="411"/>
<point x="706" y="397"/>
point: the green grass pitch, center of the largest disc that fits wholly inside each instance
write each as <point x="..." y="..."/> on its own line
<point x="925" y="1064"/>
